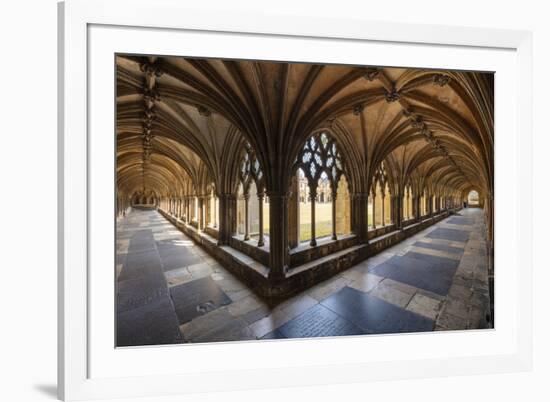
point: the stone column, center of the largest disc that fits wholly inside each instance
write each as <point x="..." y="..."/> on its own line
<point x="246" y="217"/>
<point x="359" y="215"/>
<point x="334" y="195"/>
<point x="373" y="210"/>
<point x="293" y="211"/>
<point x="261" y="218"/>
<point x="312" y="198"/>
<point x="383" y="196"/>
<point x="207" y="208"/>
<point x="216" y="203"/>
<point x="200" y="218"/>
<point x="397" y="210"/>
<point x="278" y="235"/>
<point x="227" y="217"/>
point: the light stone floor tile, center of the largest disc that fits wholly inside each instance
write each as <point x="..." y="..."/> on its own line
<point x="402" y="287"/>
<point x="328" y="288"/>
<point x="450" y="322"/>
<point x="366" y="283"/>
<point x="352" y="274"/>
<point x="456" y="307"/>
<point x="239" y="294"/>
<point x="391" y="295"/>
<point x="425" y="306"/>
<point x="245" y="305"/>
<point x="200" y="269"/>
<point x="205" y="323"/>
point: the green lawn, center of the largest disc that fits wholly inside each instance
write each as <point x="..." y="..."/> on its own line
<point x="323" y="214"/>
<point x="322" y="229"/>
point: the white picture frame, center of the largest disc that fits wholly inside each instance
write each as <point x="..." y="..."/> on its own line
<point x="89" y="368"/>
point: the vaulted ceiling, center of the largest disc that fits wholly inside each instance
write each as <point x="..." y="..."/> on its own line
<point x="182" y="122"/>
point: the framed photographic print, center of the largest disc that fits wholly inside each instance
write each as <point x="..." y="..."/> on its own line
<point x="264" y="201"/>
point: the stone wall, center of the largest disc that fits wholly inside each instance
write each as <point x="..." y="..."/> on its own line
<point x="317" y="263"/>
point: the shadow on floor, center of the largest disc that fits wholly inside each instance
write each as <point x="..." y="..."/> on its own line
<point x="47" y="389"/>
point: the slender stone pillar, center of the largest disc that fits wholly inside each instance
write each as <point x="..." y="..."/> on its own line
<point x="373" y="210"/>
<point x="293" y="214"/>
<point x="383" y="209"/>
<point x="278" y="235"/>
<point x="246" y="217"/>
<point x="312" y="198"/>
<point x="216" y="204"/>
<point x="261" y="217"/>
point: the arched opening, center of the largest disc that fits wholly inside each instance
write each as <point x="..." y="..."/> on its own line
<point x="319" y="167"/>
<point x="323" y="207"/>
<point x="213" y="209"/>
<point x="252" y="216"/>
<point x="370" y="212"/>
<point x="241" y="210"/>
<point x="386" y="210"/>
<point x="473" y="198"/>
<point x="343" y="209"/>
<point x="304" y="208"/>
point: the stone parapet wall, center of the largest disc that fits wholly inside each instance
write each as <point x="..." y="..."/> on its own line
<point x="254" y="273"/>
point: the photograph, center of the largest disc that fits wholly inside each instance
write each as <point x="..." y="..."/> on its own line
<point x="260" y="200"/>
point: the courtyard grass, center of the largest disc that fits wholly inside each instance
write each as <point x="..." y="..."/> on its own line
<point x="323" y="214"/>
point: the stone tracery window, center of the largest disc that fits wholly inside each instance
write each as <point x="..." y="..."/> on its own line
<point x="251" y="183"/>
<point x="319" y="155"/>
<point x="380" y="193"/>
<point x="320" y="167"/>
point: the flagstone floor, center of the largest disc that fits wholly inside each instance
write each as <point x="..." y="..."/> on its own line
<point x="170" y="291"/>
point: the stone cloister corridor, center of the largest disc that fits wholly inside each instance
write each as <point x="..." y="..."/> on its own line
<point x="268" y="200"/>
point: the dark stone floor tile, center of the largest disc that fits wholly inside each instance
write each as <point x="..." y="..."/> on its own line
<point x="141" y="241"/>
<point x="138" y="265"/>
<point x="449" y="234"/>
<point x="441" y="247"/>
<point x="459" y="220"/>
<point x="373" y="315"/>
<point x="196" y="298"/>
<point x="135" y="293"/>
<point x="405" y="321"/>
<point x="418" y="273"/>
<point x="151" y="324"/>
<point x="318" y="321"/>
<point x="365" y="311"/>
<point x="435" y="261"/>
<point x="178" y="259"/>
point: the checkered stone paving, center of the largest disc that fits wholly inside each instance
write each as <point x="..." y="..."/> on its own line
<point x="171" y="291"/>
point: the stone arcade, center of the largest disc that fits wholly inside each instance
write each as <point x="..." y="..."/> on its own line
<point x="278" y="200"/>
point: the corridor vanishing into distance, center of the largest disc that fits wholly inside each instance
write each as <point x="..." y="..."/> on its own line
<point x="172" y="291"/>
<point x="264" y="199"/>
